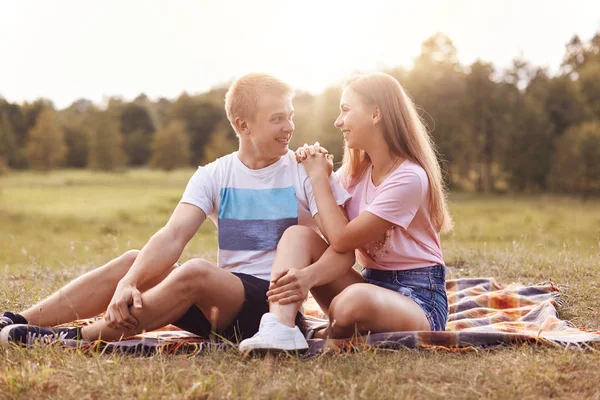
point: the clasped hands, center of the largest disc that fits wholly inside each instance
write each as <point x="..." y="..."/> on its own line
<point x="315" y="159"/>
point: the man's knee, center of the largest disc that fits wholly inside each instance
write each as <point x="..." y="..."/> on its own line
<point x="194" y="274"/>
<point x="129" y="257"/>
<point x="117" y="268"/>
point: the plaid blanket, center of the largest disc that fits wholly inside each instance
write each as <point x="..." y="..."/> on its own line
<point x="482" y="313"/>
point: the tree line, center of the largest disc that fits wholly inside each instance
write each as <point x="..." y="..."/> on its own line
<point x="518" y="129"/>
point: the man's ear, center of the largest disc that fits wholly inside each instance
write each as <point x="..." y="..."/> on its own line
<point x="376" y="115"/>
<point x="241" y="126"/>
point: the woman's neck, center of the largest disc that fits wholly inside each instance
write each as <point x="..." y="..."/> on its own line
<point x="382" y="160"/>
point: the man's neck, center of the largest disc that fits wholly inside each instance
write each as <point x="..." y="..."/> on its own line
<point x="251" y="159"/>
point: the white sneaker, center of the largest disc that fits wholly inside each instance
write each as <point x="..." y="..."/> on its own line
<point x="273" y="335"/>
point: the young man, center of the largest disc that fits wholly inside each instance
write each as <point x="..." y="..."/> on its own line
<point x="252" y="195"/>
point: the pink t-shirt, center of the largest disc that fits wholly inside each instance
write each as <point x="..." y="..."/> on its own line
<point x="402" y="199"/>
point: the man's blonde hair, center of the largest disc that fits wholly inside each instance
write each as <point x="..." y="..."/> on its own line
<point x="243" y="94"/>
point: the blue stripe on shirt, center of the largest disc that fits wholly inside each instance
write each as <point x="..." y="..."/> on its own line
<point x="258" y="204"/>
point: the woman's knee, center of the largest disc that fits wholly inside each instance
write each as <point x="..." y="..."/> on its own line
<point x="302" y="239"/>
<point x="298" y="234"/>
<point x="352" y="306"/>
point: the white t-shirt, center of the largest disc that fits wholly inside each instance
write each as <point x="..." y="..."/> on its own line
<point x="252" y="208"/>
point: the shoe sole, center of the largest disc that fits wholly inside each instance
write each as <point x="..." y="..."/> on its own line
<point x="6" y="338"/>
<point x="261" y="351"/>
<point x="286" y="348"/>
<point x="5" y="332"/>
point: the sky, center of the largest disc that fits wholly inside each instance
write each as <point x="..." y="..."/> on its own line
<point x="64" y="50"/>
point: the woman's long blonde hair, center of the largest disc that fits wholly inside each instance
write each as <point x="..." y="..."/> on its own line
<point x="406" y="136"/>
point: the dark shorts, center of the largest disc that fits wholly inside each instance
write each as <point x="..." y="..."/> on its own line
<point x="425" y="286"/>
<point x="245" y="325"/>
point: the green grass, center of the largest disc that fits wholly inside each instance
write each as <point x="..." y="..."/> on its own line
<point x="56" y="226"/>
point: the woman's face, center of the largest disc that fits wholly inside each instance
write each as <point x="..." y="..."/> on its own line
<point x="355" y="120"/>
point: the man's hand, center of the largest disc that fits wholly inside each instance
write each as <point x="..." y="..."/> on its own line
<point x="290" y="286"/>
<point x="117" y="314"/>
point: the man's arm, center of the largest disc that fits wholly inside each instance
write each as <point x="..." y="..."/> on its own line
<point x="160" y="253"/>
<point x="343" y="235"/>
<point x="165" y="247"/>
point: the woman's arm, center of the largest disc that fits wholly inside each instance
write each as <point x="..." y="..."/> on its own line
<point x="342" y="235"/>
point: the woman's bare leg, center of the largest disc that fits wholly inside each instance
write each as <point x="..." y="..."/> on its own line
<point x="363" y="308"/>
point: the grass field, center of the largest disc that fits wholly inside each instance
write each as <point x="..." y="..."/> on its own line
<point x="57" y="226"/>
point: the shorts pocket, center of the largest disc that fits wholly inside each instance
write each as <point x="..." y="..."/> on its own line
<point x="420" y="285"/>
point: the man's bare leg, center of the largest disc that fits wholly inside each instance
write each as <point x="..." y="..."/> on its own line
<point x="84" y="297"/>
<point x="194" y="282"/>
<point x="298" y="248"/>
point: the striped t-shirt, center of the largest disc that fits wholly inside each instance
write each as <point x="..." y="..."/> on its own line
<point x="252" y="208"/>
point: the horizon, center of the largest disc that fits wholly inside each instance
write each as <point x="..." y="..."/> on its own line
<point x="101" y="51"/>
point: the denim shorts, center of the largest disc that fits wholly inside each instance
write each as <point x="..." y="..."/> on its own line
<point x="425" y="286"/>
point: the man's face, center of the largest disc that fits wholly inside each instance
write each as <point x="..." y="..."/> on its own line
<point x="272" y="127"/>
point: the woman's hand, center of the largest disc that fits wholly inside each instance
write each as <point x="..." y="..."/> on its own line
<point x="305" y="150"/>
<point x="316" y="160"/>
<point x="290" y="286"/>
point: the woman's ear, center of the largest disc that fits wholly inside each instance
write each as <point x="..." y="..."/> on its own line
<point x="376" y="115"/>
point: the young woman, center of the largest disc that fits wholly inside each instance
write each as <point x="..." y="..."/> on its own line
<point x="394" y="219"/>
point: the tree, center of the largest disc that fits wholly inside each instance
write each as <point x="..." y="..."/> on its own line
<point x="222" y="142"/>
<point x="15" y="116"/>
<point x="520" y="74"/>
<point x="576" y="167"/>
<point x="579" y="53"/>
<point x="74" y="120"/>
<point x="77" y="142"/>
<point x="529" y="154"/>
<point x="564" y="103"/>
<point x="170" y="147"/>
<point x="137" y="126"/>
<point x="437" y="49"/>
<point x="437" y="85"/>
<point x="480" y="93"/>
<point x="305" y="130"/>
<point x="31" y="112"/>
<point x="106" y="141"/>
<point x="326" y="108"/>
<point x="589" y="78"/>
<point x="8" y="145"/>
<point x="201" y="115"/>
<point x="45" y="147"/>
